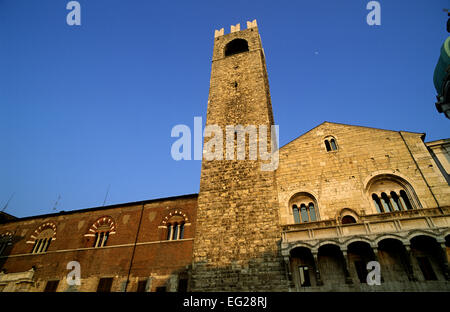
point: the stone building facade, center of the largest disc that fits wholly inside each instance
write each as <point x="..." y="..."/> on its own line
<point x="371" y="195"/>
<point x="341" y="197"/>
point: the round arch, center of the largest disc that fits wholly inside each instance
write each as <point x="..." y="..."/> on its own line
<point x="236" y="46"/>
<point x="359" y="239"/>
<point x="103" y="223"/>
<point x="174" y="214"/>
<point x="174" y="225"/>
<point x="305" y="198"/>
<point x="346" y="212"/>
<point x="42" y="237"/>
<point x="382" y="237"/>
<point x="416" y="233"/>
<point x="328" y="242"/>
<point x="49" y="227"/>
<point x="301" y="245"/>
<point x="395" y="182"/>
<point x="330" y="142"/>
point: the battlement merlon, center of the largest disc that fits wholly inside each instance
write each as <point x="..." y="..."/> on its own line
<point x="235" y="28"/>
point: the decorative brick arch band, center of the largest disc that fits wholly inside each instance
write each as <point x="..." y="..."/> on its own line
<point x="174" y="213"/>
<point x="174" y="223"/>
<point x="6" y="234"/>
<point x="103" y="221"/>
<point x="42" y="228"/>
<point x="6" y="237"/>
<point x="99" y="232"/>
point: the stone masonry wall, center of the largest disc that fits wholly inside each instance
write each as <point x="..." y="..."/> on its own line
<point x="338" y="179"/>
<point x="237" y="240"/>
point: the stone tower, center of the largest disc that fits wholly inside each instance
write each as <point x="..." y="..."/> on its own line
<point x="237" y="240"/>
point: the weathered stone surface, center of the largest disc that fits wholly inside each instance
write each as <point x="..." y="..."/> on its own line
<point x="238" y="235"/>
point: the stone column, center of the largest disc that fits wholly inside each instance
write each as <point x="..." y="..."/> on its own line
<point x="287" y="266"/>
<point x="319" y="281"/>
<point x="409" y="267"/>
<point x="444" y="260"/>
<point x="348" y="279"/>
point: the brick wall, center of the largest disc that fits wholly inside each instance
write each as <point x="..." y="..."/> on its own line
<point x="153" y="256"/>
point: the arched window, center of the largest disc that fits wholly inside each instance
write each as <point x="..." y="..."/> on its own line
<point x="348" y="220"/>
<point x="304" y="208"/>
<point x="169" y="232"/>
<point x="296" y="214"/>
<point x="333" y="144"/>
<point x="304" y="213"/>
<point x="385" y="202"/>
<point x="330" y="144"/>
<point x="175" y="223"/>
<point x="101" y="230"/>
<point x="181" y="236"/>
<point x="175" y="231"/>
<point x="312" y="212"/>
<point x="395" y="201"/>
<point x="391" y="193"/>
<point x="405" y="201"/>
<point x="377" y="203"/>
<point x="101" y="237"/>
<point x="236" y="46"/>
<point x="43" y="236"/>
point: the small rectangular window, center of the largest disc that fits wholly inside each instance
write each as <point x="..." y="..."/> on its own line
<point x="426" y="268"/>
<point x="104" y="285"/>
<point x="304" y="276"/>
<point x="142" y="286"/>
<point x="51" y="286"/>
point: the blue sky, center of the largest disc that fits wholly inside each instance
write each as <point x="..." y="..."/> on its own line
<point x="84" y="107"/>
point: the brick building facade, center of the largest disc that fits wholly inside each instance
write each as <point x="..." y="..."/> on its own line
<point x="340" y="197"/>
<point x="135" y="249"/>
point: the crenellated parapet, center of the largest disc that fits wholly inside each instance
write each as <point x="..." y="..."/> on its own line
<point x="235" y="28"/>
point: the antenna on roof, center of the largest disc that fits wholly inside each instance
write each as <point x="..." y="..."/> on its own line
<point x="56" y="203"/>
<point x="7" y="203"/>
<point x="106" y="196"/>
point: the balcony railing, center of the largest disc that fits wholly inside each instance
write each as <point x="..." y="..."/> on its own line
<point x="391" y="222"/>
